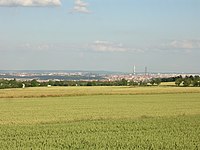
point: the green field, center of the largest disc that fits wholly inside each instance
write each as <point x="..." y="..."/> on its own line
<point x="100" y="118"/>
<point x="83" y="91"/>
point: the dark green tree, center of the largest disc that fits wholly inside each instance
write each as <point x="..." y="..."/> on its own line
<point x="187" y="82"/>
<point x="34" y="83"/>
<point x="178" y="81"/>
<point x="158" y="81"/>
<point x="152" y="81"/>
<point x="124" y="82"/>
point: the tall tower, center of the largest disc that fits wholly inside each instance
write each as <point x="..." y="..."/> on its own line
<point x="134" y="68"/>
<point x="145" y="70"/>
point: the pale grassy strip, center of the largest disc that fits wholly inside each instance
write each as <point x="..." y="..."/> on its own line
<point x="79" y="91"/>
<point x="168" y="84"/>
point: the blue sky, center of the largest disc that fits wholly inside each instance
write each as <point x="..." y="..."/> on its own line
<point x="100" y="35"/>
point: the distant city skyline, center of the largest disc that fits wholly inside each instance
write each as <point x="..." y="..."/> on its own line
<point x="105" y="35"/>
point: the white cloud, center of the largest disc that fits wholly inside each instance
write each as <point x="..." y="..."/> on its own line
<point x="80" y="6"/>
<point x="185" y="44"/>
<point x="177" y="46"/>
<point x="49" y="46"/>
<point x="29" y="3"/>
<point x="37" y="47"/>
<point x="106" y="46"/>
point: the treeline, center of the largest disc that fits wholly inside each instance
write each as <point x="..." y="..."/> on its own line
<point x="10" y="84"/>
<point x="34" y="83"/>
<point x="188" y="81"/>
<point x="170" y="79"/>
<point x="179" y="81"/>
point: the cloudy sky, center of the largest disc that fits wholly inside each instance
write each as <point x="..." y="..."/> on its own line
<point x="114" y="35"/>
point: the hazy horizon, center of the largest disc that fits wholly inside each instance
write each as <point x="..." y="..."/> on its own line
<point x="95" y="71"/>
<point x="100" y="35"/>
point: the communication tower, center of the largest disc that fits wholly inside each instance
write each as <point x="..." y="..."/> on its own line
<point x="145" y="71"/>
<point x="134" y="70"/>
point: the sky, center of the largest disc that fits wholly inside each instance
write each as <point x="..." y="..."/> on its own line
<point x="111" y="35"/>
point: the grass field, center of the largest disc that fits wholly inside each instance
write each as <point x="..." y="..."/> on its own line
<point x="168" y="84"/>
<point x="81" y="91"/>
<point x="100" y="118"/>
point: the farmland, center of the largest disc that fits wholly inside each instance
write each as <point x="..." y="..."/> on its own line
<point x="100" y="118"/>
<point x="84" y="91"/>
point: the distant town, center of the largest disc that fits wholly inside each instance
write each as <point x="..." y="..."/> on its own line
<point x="43" y="75"/>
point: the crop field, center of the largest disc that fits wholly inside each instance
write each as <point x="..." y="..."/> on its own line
<point x="168" y="84"/>
<point x="81" y="91"/>
<point x="100" y="118"/>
